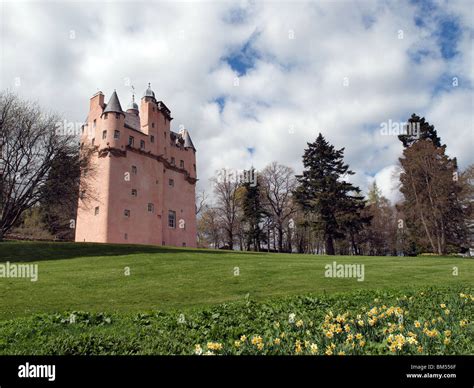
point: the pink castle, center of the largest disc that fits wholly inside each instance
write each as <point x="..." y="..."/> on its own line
<point x="143" y="185"/>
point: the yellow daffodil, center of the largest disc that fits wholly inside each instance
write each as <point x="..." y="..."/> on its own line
<point x="214" y="346"/>
<point x="197" y="349"/>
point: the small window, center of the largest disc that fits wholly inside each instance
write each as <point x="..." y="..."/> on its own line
<point x="171" y="182"/>
<point x="131" y="141"/>
<point x="126" y="213"/>
<point x="125" y="236"/>
<point x="183" y="244"/>
<point x="93" y="141"/>
<point x="194" y="167"/>
<point x="173" y="161"/>
<point x="142" y="144"/>
<point x="152" y="139"/>
<point x="105" y="117"/>
<point x="104" y="134"/>
<point x="181" y="163"/>
<point x="172" y="219"/>
<point x="151" y="208"/>
<point x="153" y="125"/>
<point x="96" y="210"/>
<point x="116" y="134"/>
<point x="94" y="124"/>
<point x="117" y="115"/>
<point x="134" y="170"/>
<point x="134" y="192"/>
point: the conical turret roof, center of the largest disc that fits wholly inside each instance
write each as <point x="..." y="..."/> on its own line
<point x="114" y="104"/>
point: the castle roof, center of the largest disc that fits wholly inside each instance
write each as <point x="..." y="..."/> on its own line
<point x="132" y="121"/>
<point x="149" y="92"/>
<point x="114" y="104"/>
<point x="188" y="143"/>
<point x="185" y="139"/>
<point x="132" y="106"/>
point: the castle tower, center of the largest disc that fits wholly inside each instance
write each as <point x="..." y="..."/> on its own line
<point x="143" y="178"/>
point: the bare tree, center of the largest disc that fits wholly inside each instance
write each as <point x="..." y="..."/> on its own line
<point x="278" y="183"/>
<point x="31" y="144"/>
<point x="226" y="196"/>
<point x="201" y="199"/>
<point x="209" y="228"/>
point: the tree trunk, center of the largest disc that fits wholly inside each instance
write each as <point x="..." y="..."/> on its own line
<point x="329" y="245"/>
<point x="280" y="238"/>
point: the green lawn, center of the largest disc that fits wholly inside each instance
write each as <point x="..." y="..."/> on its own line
<point x="91" y="277"/>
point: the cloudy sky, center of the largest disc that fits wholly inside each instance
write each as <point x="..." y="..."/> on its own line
<point x="255" y="81"/>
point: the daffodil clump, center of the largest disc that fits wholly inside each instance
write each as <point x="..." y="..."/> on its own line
<point x="414" y="324"/>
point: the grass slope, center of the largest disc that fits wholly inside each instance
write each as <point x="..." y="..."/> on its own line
<point x="91" y="277"/>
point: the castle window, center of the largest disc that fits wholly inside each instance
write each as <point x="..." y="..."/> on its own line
<point x="134" y="192"/>
<point x="117" y="115"/>
<point x="171" y="182"/>
<point x="153" y="125"/>
<point x="181" y="163"/>
<point x="172" y="219"/>
<point x="96" y="210"/>
<point x="142" y="144"/>
<point x="134" y="170"/>
<point x="131" y="141"/>
<point x="93" y="141"/>
<point x="116" y="134"/>
<point x="151" y="207"/>
<point x="104" y="134"/>
<point x="126" y="213"/>
<point x="183" y="244"/>
<point x="194" y="167"/>
<point x="105" y="117"/>
<point x="152" y="138"/>
<point x="173" y="161"/>
<point x="125" y="236"/>
<point x="94" y="124"/>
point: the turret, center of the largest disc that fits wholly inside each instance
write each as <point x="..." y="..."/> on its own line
<point x="113" y="119"/>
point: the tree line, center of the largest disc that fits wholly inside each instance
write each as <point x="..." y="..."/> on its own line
<point x="274" y="209"/>
<point x="320" y="211"/>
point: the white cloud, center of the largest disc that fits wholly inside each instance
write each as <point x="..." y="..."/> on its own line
<point x="294" y="91"/>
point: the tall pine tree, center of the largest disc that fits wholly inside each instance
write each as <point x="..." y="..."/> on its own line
<point x="253" y="211"/>
<point x="322" y="192"/>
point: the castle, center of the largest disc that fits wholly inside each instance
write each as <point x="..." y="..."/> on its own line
<point x="143" y="178"/>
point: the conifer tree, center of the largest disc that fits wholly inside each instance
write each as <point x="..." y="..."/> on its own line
<point x="323" y="192"/>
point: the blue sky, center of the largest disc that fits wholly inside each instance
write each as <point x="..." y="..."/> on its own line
<point x="255" y="81"/>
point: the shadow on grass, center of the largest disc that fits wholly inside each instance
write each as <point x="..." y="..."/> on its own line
<point x="24" y="251"/>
